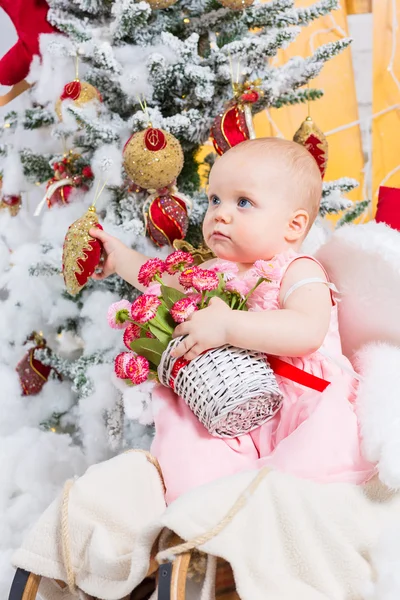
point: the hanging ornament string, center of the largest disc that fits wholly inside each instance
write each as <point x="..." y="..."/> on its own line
<point x="98" y="194"/>
<point x="77" y="66"/>
<point x="145" y="110"/>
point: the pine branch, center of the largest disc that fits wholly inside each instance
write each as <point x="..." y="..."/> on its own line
<point x="319" y="9"/>
<point x="36" y="166"/>
<point x="297" y="97"/>
<point x="355" y="211"/>
<point x="44" y="270"/>
<point x="130" y="16"/>
<point x="344" y="185"/>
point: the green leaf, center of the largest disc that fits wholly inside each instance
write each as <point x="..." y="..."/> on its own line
<point x="170" y="295"/>
<point x="163" y="320"/>
<point x="151" y="349"/>
<point x="163" y="337"/>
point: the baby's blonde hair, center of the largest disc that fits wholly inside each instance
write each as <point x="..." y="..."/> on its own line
<point x="299" y="169"/>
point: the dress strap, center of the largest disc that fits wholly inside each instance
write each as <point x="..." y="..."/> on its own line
<point x="330" y="285"/>
<point x="300" y="284"/>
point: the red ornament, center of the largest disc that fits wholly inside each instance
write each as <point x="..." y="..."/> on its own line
<point x="13" y="203"/>
<point x="71" y="90"/>
<point x="29" y="18"/>
<point x="388" y="209"/>
<point x="60" y="195"/>
<point x="167" y="219"/>
<point x="229" y="128"/>
<point x="80" y="93"/>
<point x="87" y="172"/>
<point x="32" y="373"/>
<point x="312" y="138"/>
<point x="235" y="124"/>
<point x="81" y="252"/>
<point x="68" y="175"/>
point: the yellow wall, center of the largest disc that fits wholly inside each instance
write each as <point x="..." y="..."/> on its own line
<point x="337" y="107"/>
<point x="386" y="128"/>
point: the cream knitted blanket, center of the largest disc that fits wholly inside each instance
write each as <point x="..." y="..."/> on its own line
<point x="291" y="539"/>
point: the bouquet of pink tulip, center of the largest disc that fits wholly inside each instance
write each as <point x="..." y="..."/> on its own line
<point x="222" y="386"/>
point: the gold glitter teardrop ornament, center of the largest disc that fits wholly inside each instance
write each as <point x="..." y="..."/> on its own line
<point x="80" y="92"/>
<point x="81" y="252"/>
<point x="153" y="158"/>
<point x="311" y="137"/>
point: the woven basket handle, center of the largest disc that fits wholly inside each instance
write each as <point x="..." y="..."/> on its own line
<point x="172" y="578"/>
<point x="25" y="586"/>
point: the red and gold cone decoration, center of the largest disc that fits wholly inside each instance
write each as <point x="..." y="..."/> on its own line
<point x="167" y="219"/>
<point x="235" y="124"/>
<point x="81" y="252"/>
<point x="312" y="138"/>
<point x="32" y="373"/>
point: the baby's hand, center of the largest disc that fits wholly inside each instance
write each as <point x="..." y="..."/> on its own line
<point x="114" y="249"/>
<point x="206" y="328"/>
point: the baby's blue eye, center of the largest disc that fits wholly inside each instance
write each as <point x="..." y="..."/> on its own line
<point x="244" y="203"/>
<point x="214" y="200"/>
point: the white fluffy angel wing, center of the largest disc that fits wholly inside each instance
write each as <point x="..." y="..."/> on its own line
<point x="363" y="261"/>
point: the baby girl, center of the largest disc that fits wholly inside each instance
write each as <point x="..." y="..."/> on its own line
<point x="264" y="196"/>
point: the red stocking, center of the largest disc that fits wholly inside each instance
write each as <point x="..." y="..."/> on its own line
<point x="30" y="20"/>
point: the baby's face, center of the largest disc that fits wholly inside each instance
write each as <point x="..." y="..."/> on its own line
<point x="248" y="211"/>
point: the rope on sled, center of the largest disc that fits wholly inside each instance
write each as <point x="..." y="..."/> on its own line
<point x="200" y="540"/>
<point x="152" y="459"/>
<point x="65" y="539"/>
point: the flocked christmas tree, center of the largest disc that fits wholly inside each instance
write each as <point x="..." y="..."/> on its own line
<point x="159" y="62"/>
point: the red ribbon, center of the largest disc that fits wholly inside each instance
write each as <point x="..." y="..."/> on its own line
<point x="279" y="367"/>
<point x="284" y="369"/>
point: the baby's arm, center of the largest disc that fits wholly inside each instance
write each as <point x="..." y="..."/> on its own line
<point x="299" y="328"/>
<point x="124" y="261"/>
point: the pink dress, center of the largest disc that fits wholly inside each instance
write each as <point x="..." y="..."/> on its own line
<point x="315" y="435"/>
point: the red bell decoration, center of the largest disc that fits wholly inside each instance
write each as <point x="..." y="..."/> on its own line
<point x="388" y="209"/>
<point x="32" y="373"/>
<point x="81" y="252"/>
<point x="235" y="123"/>
<point x="312" y="138"/>
<point x="167" y="219"/>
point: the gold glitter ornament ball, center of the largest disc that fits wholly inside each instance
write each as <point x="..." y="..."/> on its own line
<point x="158" y="4"/>
<point x="153" y="158"/>
<point x="236" y="4"/>
<point x="80" y="92"/>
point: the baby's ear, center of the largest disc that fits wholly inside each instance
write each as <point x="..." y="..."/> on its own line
<point x="297" y="225"/>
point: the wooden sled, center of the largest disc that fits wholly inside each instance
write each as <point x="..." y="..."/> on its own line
<point x="171" y="577"/>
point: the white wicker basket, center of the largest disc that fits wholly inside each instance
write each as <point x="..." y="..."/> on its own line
<point x="230" y="390"/>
